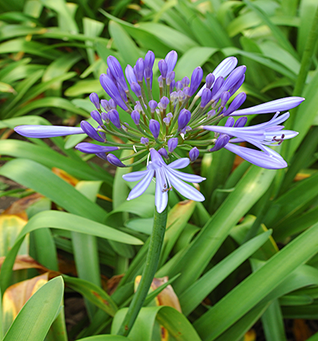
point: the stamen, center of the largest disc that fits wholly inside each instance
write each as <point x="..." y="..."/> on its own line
<point x="279" y="140"/>
<point x="166" y="189"/>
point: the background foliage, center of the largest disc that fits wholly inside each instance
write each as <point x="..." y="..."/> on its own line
<point x="248" y="253"/>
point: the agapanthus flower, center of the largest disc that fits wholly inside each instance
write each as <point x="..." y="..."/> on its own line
<point x="167" y="177"/>
<point x="179" y="121"/>
<point x="260" y="135"/>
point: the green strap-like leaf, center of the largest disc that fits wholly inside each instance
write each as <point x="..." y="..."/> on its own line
<point x="178" y="326"/>
<point x="37" y="315"/>
<point x="257" y="286"/>
<point x="61" y="220"/>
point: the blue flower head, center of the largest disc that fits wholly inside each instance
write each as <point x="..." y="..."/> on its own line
<point x="180" y="120"/>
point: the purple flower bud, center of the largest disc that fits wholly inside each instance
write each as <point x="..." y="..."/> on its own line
<point x="241" y="122"/>
<point x="112" y="159"/>
<point x="209" y="80"/>
<point x="91" y="148"/>
<point x="183" y="119"/>
<point x="178" y="85"/>
<point x="163" y="153"/>
<point x="105" y="117"/>
<point x="130" y="74"/>
<point x="172" y="84"/>
<point x="185" y="81"/>
<point x="144" y="140"/>
<point x="149" y="61"/>
<point x="224" y="98"/>
<point x="135" y="87"/>
<point x="205" y="97"/>
<point x="162" y="65"/>
<point x="135" y="116"/>
<point x="216" y="87"/>
<point x="95" y="100"/>
<point x="194" y="154"/>
<point x="164" y="102"/>
<point x="220" y="142"/>
<point x="110" y="87"/>
<point x="237" y="85"/>
<point x="114" y="118"/>
<point x="236" y="103"/>
<point x="186" y="92"/>
<point x="117" y="71"/>
<point x="166" y="121"/>
<point x="138" y="106"/>
<point x="234" y="77"/>
<point x="170" y="77"/>
<point x="229" y="122"/>
<point x="174" y="97"/>
<point x="196" y="79"/>
<point x="160" y="81"/>
<point x="181" y="96"/>
<point x="171" y="60"/>
<point x="154" y="127"/>
<point x="152" y="105"/>
<point x="139" y="69"/>
<point x="112" y="104"/>
<point x="104" y="103"/>
<point x="172" y="144"/>
<point x="91" y="131"/>
<point x="96" y="116"/>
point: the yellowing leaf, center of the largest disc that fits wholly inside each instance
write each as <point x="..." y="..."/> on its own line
<point x="10" y="227"/>
<point x="167" y="296"/>
<point x="65" y="176"/>
<point x="250" y="335"/>
<point x="23" y="262"/>
<point x="17" y="295"/>
<point x="18" y="207"/>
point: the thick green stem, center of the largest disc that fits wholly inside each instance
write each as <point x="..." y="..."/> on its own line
<point x="152" y="260"/>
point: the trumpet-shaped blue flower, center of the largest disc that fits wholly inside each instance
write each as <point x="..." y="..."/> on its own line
<point x="167" y="176"/>
<point x="260" y="135"/>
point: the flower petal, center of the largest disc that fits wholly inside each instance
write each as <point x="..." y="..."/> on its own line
<point x="161" y="196"/>
<point x="41" y="131"/>
<point x="270" y="160"/>
<point x="179" y="164"/>
<point x="243" y="133"/>
<point x="186" y="176"/>
<point x="281" y="104"/>
<point x="141" y="186"/>
<point x="185" y="189"/>
<point x="135" y="176"/>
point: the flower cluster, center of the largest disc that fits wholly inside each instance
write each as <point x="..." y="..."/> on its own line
<point x="179" y="121"/>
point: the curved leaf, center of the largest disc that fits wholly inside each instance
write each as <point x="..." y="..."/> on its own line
<point x="37" y="315"/>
